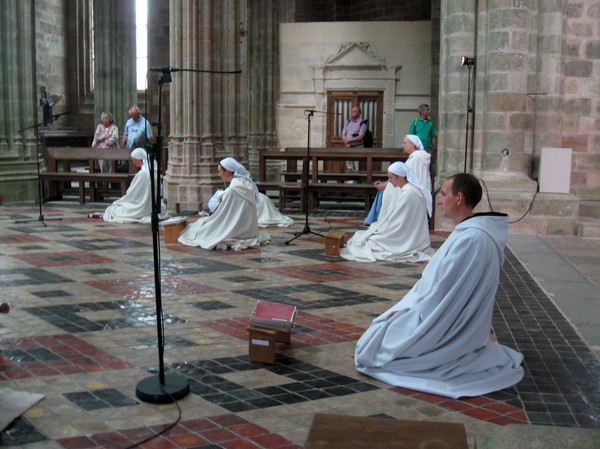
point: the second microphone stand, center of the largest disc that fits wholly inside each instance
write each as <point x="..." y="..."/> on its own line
<point x="163" y="388"/>
<point x="469" y="65"/>
<point x="306" y="175"/>
<point x="36" y="128"/>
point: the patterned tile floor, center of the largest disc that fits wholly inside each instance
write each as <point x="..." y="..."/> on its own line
<point x="82" y="332"/>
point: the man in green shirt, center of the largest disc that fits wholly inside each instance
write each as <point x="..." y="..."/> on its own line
<point x="424" y="127"/>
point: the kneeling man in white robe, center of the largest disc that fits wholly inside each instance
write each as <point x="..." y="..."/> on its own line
<point x="437" y="338"/>
<point x="402" y="233"/>
<point x="234" y="222"/>
<point x="136" y="205"/>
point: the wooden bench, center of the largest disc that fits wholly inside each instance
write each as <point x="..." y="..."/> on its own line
<point x="327" y="190"/>
<point x="59" y="175"/>
<point x="340" y="192"/>
<point x="359" y="176"/>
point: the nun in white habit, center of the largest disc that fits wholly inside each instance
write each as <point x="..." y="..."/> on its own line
<point x="402" y="233"/>
<point x="234" y="222"/>
<point x="268" y="215"/>
<point x="418" y="161"/>
<point x="136" y="205"/>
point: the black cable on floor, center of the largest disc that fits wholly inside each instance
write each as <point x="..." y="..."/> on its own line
<point x="162" y="431"/>
<point x="487" y="195"/>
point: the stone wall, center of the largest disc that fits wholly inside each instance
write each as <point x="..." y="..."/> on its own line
<point x="51" y="53"/>
<point x="316" y="58"/>
<point x="581" y="86"/>
<point x="365" y="10"/>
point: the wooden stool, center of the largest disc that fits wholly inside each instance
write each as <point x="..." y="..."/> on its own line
<point x="357" y="432"/>
<point x="173" y="228"/>
<point x="261" y="343"/>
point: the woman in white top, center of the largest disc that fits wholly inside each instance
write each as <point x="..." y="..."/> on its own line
<point x="106" y="136"/>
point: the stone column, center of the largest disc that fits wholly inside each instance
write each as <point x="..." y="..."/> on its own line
<point x="497" y="37"/>
<point x="114" y="59"/>
<point x="263" y="78"/>
<point x="545" y="99"/>
<point x="19" y="102"/>
<point x="458" y="26"/>
<point x="502" y="67"/>
<point x="208" y="111"/>
<point x="513" y="65"/>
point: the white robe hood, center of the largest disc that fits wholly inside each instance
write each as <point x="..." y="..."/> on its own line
<point x="419" y="162"/>
<point x="437" y="338"/>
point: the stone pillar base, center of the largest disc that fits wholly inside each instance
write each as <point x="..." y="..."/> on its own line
<point x="551" y="213"/>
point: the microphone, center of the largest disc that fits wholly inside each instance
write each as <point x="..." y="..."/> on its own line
<point x="312" y="111"/>
<point x="54" y="117"/>
<point x="165" y="69"/>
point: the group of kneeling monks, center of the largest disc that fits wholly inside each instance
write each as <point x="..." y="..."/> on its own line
<point x="437" y="338"/>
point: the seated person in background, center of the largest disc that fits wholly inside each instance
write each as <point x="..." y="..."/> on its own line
<point x="106" y="136"/>
<point x="437" y="338"/>
<point x="418" y="160"/>
<point x="234" y="222"/>
<point x="401" y="234"/>
<point x="136" y="205"/>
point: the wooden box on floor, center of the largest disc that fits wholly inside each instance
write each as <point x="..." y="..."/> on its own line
<point x="173" y="229"/>
<point x="357" y="432"/>
<point x="334" y="242"/>
<point x="261" y="343"/>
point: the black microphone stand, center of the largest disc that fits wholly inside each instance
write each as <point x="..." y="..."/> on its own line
<point x="36" y="128"/>
<point x="306" y="188"/>
<point x="170" y="387"/>
<point x="469" y="65"/>
<point x="163" y="388"/>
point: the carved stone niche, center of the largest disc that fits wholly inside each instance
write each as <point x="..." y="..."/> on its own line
<point x="357" y="66"/>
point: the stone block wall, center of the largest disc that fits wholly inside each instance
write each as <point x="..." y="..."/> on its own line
<point x="51" y="53"/>
<point x="365" y="10"/>
<point x="581" y="101"/>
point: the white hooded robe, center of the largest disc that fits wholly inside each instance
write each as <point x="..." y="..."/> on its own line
<point x="401" y="234"/>
<point x="234" y="222"/>
<point x="136" y="205"/>
<point x="268" y="215"/>
<point x="437" y="338"/>
<point x="419" y="162"/>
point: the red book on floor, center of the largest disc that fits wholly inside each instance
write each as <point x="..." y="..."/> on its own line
<point x="273" y="315"/>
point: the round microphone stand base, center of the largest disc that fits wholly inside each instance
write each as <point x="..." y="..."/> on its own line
<point x="153" y="391"/>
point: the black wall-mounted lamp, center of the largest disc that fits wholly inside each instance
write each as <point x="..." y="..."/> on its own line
<point x="465" y="60"/>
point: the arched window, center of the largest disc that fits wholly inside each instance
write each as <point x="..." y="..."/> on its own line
<point x="141" y="42"/>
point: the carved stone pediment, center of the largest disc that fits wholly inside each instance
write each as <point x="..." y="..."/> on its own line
<point x="355" y="55"/>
